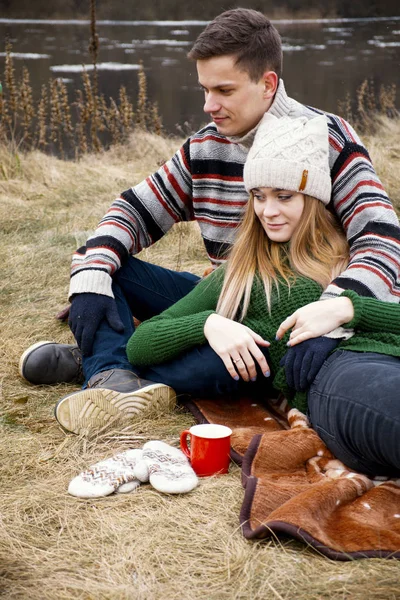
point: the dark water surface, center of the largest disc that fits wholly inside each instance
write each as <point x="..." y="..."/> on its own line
<point x="323" y="59"/>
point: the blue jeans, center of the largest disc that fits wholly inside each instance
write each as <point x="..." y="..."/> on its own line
<point x="354" y="406"/>
<point x="201" y="372"/>
<point x="140" y="289"/>
<point x="145" y="290"/>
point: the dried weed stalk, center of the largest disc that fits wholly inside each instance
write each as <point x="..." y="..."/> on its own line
<point x="10" y="78"/>
<point x="66" y="112"/>
<point x="94" y="45"/>
<point x="141" y="109"/>
<point x="82" y="145"/>
<point x="5" y="119"/>
<point x="42" y="119"/>
<point x="155" y="119"/>
<point x="125" y="109"/>
<point x="26" y="103"/>
<point x="113" y="122"/>
<point x="345" y="108"/>
<point x="387" y="100"/>
<point x="56" y="121"/>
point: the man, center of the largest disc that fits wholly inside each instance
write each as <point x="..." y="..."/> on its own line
<point x="239" y="63"/>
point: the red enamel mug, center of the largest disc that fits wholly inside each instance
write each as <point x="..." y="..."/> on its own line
<point x="210" y="445"/>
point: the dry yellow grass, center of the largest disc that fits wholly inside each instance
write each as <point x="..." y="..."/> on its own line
<point x="145" y="545"/>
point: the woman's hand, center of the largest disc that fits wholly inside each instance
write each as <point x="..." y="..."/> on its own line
<point x="316" y="319"/>
<point x="237" y="346"/>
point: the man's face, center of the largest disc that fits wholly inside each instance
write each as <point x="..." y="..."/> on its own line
<point x="235" y="103"/>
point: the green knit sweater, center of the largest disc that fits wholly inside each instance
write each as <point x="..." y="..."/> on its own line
<point x="181" y="327"/>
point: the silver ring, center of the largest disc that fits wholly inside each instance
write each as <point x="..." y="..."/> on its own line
<point x="237" y="360"/>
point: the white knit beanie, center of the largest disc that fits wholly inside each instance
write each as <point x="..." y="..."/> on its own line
<point x="290" y="154"/>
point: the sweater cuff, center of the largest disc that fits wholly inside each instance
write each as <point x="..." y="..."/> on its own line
<point x="357" y="305"/>
<point x="91" y="280"/>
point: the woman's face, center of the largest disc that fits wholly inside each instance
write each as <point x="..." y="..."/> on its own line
<point x="279" y="211"/>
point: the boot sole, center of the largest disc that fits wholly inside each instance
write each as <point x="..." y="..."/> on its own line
<point x="26" y="355"/>
<point x="94" y="408"/>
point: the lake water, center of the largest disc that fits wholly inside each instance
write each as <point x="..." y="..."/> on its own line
<point x="323" y="59"/>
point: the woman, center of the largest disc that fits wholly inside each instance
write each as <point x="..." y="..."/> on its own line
<point x="288" y="248"/>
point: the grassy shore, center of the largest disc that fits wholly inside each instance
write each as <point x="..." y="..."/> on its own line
<point x="144" y="545"/>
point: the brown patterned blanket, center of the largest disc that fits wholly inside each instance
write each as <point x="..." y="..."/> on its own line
<point x="295" y="486"/>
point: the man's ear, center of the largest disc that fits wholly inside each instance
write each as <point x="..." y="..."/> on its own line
<point x="271" y="80"/>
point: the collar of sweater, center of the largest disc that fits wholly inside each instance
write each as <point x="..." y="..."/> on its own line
<point x="281" y="106"/>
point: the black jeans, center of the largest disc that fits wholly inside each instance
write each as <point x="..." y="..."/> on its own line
<point x="354" y="405"/>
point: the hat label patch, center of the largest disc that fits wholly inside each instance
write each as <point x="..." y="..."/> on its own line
<point x="303" y="182"/>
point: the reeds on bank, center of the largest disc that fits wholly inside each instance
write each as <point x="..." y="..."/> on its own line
<point x="369" y="104"/>
<point x="54" y="124"/>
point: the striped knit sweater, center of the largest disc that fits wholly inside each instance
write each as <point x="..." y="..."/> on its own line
<point x="203" y="182"/>
<point x="181" y="327"/>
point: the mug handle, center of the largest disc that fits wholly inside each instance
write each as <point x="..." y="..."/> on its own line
<point x="183" y="442"/>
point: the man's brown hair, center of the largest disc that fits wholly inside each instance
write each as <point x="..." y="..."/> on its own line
<point x="246" y="34"/>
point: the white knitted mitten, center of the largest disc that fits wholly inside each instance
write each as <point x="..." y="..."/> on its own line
<point x="105" y="477"/>
<point x="126" y="488"/>
<point x="167" y="468"/>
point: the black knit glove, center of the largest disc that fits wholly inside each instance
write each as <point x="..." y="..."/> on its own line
<point x="303" y="361"/>
<point x="86" y="312"/>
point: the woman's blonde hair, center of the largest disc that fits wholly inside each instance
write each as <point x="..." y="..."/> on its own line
<point x="318" y="249"/>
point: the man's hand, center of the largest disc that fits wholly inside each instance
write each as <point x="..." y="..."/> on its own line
<point x="303" y="362"/>
<point x="86" y="312"/>
<point x="237" y="345"/>
<point x="316" y="319"/>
